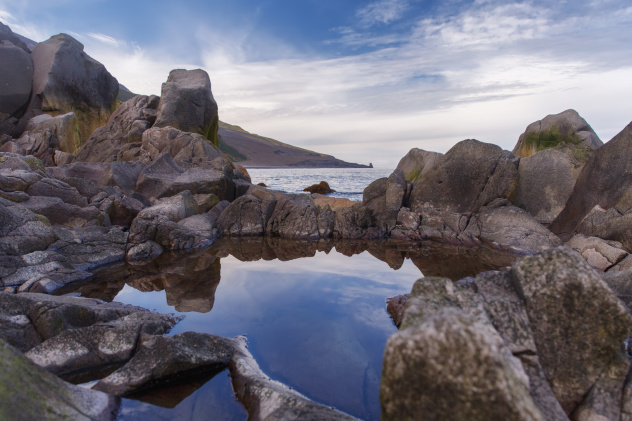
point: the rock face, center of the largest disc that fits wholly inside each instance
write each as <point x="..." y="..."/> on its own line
<point x="16" y="79"/>
<point x="603" y="181"/>
<point x="187" y="104"/>
<point x="469" y="176"/>
<point x="578" y="324"/>
<point x="120" y="138"/>
<point x="68" y="80"/>
<point x="417" y="163"/>
<point x="6" y="34"/>
<point x="545" y="182"/>
<point x="46" y="135"/>
<point x="384" y="198"/>
<point x="30" y="392"/>
<point x="556" y="130"/>
<point x="187" y="149"/>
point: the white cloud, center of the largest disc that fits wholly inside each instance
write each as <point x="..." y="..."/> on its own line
<point x="382" y="12"/>
<point x="104" y="38"/>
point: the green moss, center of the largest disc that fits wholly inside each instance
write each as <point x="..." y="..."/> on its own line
<point x="35" y="163"/>
<point x="413" y="175"/>
<point x="549" y="139"/>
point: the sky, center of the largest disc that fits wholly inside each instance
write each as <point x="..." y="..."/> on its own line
<point x="366" y="81"/>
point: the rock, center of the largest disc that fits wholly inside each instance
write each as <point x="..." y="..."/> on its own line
<point x="147" y="250"/>
<point x="241" y="170"/>
<point x="157" y="177"/>
<point x="30" y="392"/>
<point x="395" y="307"/>
<point x="46" y="136"/>
<point x="354" y="223"/>
<point x="510" y="228"/>
<point x="58" y="212"/>
<point x="383" y="199"/>
<point x="296" y="216"/>
<point x="187" y="104"/>
<point x="122" y="174"/>
<point x="320" y="188"/>
<point x="599" y="253"/>
<point x="322" y="201"/>
<point x="567" y="127"/>
<point x="604" y="180"/>
<point x="545" y="182"/>
<point x="618" y="229"/>
<point x="625" y="204"/>
<point x="68" y="80"/>
<point x="51" y="187"/>
<point x="245" y="216"/>
<point x="6" y="34"/>
<point x="451" y="365"/>
<point x="89" y="353"/>
<point x="90" y="247"/>
<point x="162" y="359"/>
<point x="417" y="162"/>
<point x="265" y="398"/>
<point x="120" y="138"/>
<point x="16" y="80"/>
<point x="621" y="284"/>
<point x="470" y="175"/>
<point x="190" y="150"/>
<point x="22" y="231"/>
<point x="623" y="265"/>
<point x="578" y="324"/>
<point x="84" y="172"/>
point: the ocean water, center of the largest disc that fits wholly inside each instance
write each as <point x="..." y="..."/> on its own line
<point x="348" y="182"/>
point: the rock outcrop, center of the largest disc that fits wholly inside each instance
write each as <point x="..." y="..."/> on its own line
<point x="416" y="163"/>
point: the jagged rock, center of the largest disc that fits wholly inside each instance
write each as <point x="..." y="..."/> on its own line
<point x="599" y="254"/>
<point x="354" y="223"/>
<point x="120" y="139"/>
<point x="620" y="282"/>
<point x="625" y="204"/>
<point x="502" y="225"/>
<point x="190" y="150"/>
<point x="268" y="399"/>
<point x="22" y="231"/>
<point x="30" y="392"/>
<point x="554" y="130"/>
<point x="187" y="104"/>
<point x="162" y="359"/>
<point x="395" y="307"/>
<point x="383" y="199"/>
<point x="247" y="215"/>
<point x="604" y="180"/>
<point x="58" y="212"/>
<point x="578" y="324"/>
<point x="452" y="365"/>
<point x="91" y="247"/>
<point x="67" y="80"/>
<point x="147" y="250"/>
<point x="84" y="176"/>
<point x="88" y="353"/>
<point x="417" y="162"/>
<point x="545" y="182"/>
<point x="320" y="188"/>
<point x="157" y="177"/>
<point x="46" y="135"/>
<point x="122" y="174"/>
<point x="618" y="229"/>
<point x="16" y="79"/>
<point x="470" y="175"/>
<point x="51" y="187"/>
<point x="295" y="216"/>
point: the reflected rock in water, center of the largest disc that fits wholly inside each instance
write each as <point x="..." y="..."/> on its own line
<point x="250" y="249"/>
<point x="189" y="280"/>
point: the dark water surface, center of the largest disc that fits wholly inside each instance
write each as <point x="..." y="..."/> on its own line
<point x="313" y="312"/>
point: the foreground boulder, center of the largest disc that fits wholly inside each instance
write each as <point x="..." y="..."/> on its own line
<point x="566" y="129"/>
<point x="30" y="392"/>
<point x="67" y="80"/>
<point x="187" y="104"/>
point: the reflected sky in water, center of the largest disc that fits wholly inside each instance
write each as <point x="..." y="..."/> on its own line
<point x="314" y="313"/>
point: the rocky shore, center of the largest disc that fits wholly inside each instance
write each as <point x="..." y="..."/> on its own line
<point x="86" y="181"/>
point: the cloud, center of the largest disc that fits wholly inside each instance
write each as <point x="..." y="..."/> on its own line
<point x="104" y="38"/>
<point x="382" y="12"/>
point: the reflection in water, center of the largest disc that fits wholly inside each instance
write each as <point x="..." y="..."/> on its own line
<point x="315" y="319"/>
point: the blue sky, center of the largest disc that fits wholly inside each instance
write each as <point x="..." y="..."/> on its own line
<point x="366" y="80"/>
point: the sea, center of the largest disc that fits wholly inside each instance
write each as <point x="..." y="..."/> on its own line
<point x="348" y="182"/>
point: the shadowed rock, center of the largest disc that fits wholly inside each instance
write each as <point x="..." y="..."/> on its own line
<point x="15" y="80"/>
<point x="417" y="162"/>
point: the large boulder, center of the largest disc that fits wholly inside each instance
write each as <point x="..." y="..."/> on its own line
<point x="545" y="182"/>
<point x="22" y="231"/>
<point x="603" y="181"/>
<point x="120" y="138"/>
<point x="187" y="104"/>
<point x="296" y="216"/>
<point x="567" y="128"/>
<point x="67" y="80"/>
<point x="30" y="392"/>
<point x="245" y="216"/>
<point x="452" y="365"/>
<point x="469" y="176"/>
<point x="6" y="34"/>
<point x="383" y="199"/>
<point x="16" y="80"/>
<point x="417" y="162"/>
<point x="578" y="324"/>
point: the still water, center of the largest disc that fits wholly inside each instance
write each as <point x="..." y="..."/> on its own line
<point x="313" y="312"/>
